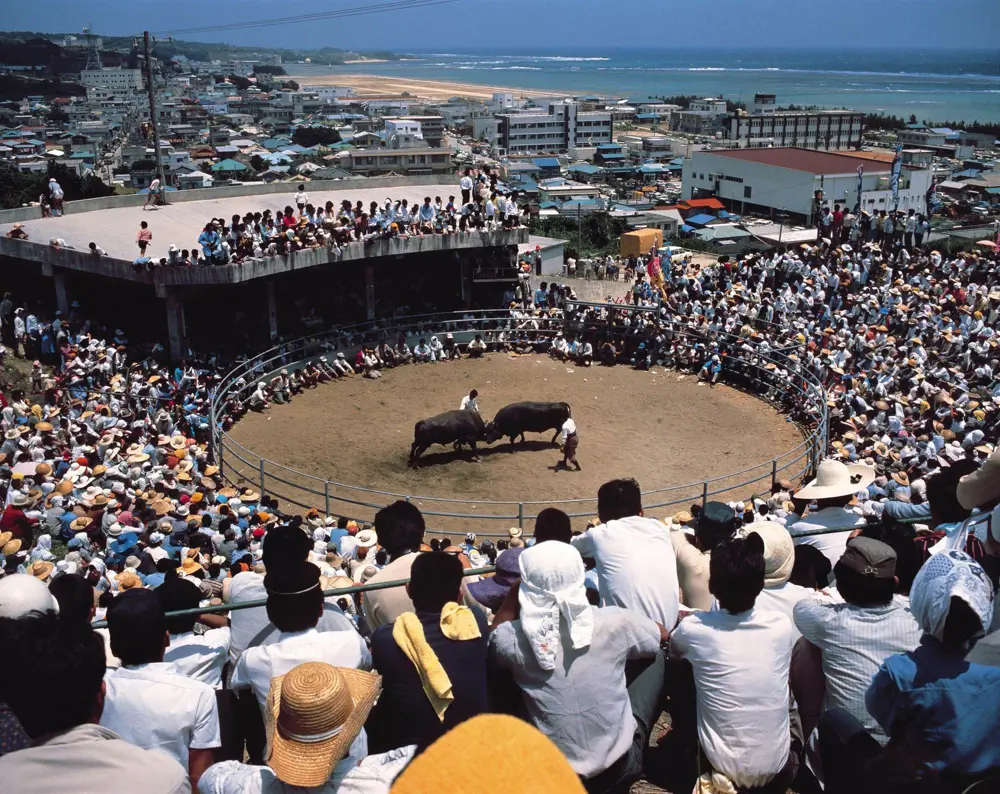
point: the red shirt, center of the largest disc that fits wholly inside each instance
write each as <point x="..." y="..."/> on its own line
<point x="18" y="524"/>
<point x="838" y="218"/>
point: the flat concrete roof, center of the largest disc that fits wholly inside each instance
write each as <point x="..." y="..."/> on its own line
<point x="115" y="229"/>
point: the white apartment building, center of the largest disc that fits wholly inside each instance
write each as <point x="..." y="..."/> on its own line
<point x="556" y="128"/>
<point x="119" y="80"/>
<point x="707" y="105"/>
<point x="766" y="124"/>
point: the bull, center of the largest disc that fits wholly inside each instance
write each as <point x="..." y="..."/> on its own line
<point x="451" y="427"/>
<point x="517" y="419"/>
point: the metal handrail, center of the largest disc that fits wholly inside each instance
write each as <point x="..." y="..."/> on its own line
<point x="802" y="386"/>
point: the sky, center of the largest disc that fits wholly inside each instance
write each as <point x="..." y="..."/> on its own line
<point x="553" y="25"/>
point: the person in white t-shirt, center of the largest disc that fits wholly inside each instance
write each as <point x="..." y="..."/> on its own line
<point x="635" y="561"/>
<point x="147" y="703"/>
<point x="469" y="402"/>
<point x="301" y="199"/>
<point x="200" y="657"/>
<point x="294" y="606"/>
<point x="740" y="656"/>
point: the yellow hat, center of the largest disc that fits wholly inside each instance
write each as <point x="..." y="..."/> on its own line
<point x="523" y="760"/>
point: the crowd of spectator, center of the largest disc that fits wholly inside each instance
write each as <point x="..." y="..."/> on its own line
<point x="840" y="630"/>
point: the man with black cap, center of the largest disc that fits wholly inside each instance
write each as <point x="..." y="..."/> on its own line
<point x="855" y="636"/>
<point x="716" y="523"/>
<point x="147" y="703"/>
<point x="294" y="607"/>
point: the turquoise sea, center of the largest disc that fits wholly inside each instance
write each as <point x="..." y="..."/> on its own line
<point x="938" y="85"/>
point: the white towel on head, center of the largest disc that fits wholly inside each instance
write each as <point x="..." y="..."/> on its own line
<point x="552" y="590"/>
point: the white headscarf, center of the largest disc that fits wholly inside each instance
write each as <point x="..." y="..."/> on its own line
<point x="552" y="586"/>
<point x="951" y="573"/>
<point x="43" y="549"/>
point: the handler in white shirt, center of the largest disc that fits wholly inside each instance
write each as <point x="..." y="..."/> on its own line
<point x="634" y="557"/>
<point x="146" y="702"/>
<point x="294" y="606"/>
<point x="469" y="402"/>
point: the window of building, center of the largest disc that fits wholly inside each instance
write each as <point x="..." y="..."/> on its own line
<point x="747" y="191"/>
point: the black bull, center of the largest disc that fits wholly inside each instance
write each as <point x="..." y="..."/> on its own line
<point x="518" y="418"/>
<point x="451" y="427"/>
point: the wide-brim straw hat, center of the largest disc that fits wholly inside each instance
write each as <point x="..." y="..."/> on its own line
<point x="41" y="570"/>
<point x="835" y="479"/>
<point x="313" y="715"/>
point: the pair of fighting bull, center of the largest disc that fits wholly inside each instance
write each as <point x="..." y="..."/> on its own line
<point x="467" y="427"/>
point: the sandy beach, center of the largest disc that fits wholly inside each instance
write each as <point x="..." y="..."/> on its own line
<point x="382" y="85"/>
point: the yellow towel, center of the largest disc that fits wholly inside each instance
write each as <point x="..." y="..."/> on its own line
<point x="459" y="623"/>
<point x="408" y="632"/>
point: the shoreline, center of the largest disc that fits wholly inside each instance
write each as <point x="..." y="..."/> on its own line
<point x="375" y="84"/>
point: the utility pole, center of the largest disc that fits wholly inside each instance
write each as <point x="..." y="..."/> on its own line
<point x="579" y="232"/>
<point x="151" y="91"/>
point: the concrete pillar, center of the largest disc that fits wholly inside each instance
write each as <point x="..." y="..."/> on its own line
<point x="465" y="271"/>
<point x="272" y="312"/>
<point x="62" y="290"/>
<point x="370" y="291"/>
<point x="176" y="331"/>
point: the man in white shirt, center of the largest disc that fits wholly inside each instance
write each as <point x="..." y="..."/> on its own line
<point x="198" y="656"/>
<point x="147" y="703"/>
<point x="294" y="606"/>
<point x="779" y="594"/>
<point x="469" y="402"/>
<point x="835" y="486"/>
<point x="635" y="560"/>
<point x="569" y="441"/>
<point x="740" y="656"/>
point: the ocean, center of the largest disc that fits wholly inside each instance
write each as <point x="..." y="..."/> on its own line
<point x="937" y="85"/>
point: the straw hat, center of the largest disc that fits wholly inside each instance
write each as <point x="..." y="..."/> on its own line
<point x="313" y="714"/>
<point x="11" y="547"/>
<point x="178" y="442"/>
<point x="367" y="538"/>
<point x="190" y="564"/>
<point x="127" y="580"/>
<point x="4" y="538"/>
<point x="834" y="479"/>
<point x="41" y="570"/>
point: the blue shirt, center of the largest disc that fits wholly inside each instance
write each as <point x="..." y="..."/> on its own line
<point x="154" y="579"/>
<point x="940" y="706"/>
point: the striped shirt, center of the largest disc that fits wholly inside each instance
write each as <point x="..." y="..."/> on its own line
<point x="855" y="641"/>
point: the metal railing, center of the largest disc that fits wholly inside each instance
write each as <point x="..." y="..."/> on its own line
<point x="772" y="375"/>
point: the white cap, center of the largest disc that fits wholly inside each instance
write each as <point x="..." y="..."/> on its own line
<point x="21" y="594"/>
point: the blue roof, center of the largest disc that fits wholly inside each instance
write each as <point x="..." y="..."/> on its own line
<point x="968" y="173"/>
<point x="584" y="168"/>
<point x="700" y="220"/>
<point x="615" y="146"/>
<point x="612" y="156"/>
<point x="686" y="228"/>
<point x="652" y="168"/>
<point x="229" y="165"/>
<point x="546" y="162"/>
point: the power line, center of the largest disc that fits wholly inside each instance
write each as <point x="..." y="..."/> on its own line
<point x="378" y="8"/>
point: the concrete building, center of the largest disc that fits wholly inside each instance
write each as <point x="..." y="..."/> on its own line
<point x="798" y="181"/>
<point x="411" y="161"/>
<point x="180" y="306"/>
<point x="120" y="80"/>
<point x="766" y="124"/>
<point x="556" y="128"/>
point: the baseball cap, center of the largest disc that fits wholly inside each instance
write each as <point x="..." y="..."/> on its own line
<point x="870" y="557"/>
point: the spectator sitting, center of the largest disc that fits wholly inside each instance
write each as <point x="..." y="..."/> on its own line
<point x="716" y="523"/>
<point x="326" y="752"/>
<point x="941" y="713"/>
<point x="635" y="559"/>
<point x="71" y="751"/>
<point x="570" y="661"/>
<point x="854" y="636"/>
<point x="779" y="594"/>
<point x="741" y="655"/>
<point x="432" y="661"/>
<point x="147" y="702"/>
<point x="295" y="606"/>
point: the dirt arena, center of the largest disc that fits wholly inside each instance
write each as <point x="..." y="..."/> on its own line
<point x="659" y="427"/>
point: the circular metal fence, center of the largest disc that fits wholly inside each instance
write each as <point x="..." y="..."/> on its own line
<point x="769" y="375"/>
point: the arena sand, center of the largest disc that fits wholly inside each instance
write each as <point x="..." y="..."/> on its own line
<point x="654" y="426"/>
